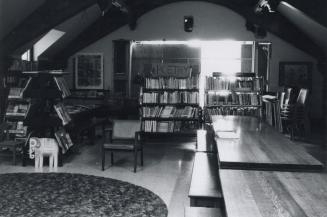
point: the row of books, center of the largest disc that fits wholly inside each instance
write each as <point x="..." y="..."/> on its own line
<point x="232" y="99"/>
<point x="62" y="113"/>
<point x="170" y="112"/>
<point x="172" y="83"/>
<point x="62" y="86"/>
<point x="17" y="109"/>
<point x="162" y="126"/>
<point x="220" y="83"/>
<point x="248" y="111"/>
<point x="167" y="126"/>
<point x="171" y="97"/>
<point x="17" y="128"/>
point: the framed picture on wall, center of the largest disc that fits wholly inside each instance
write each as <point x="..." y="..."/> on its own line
<point x="88" y="71"/>
<point x="295" y="74"/>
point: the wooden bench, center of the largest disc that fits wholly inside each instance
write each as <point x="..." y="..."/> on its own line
<point x="205" y="142"/>
<point x="202" y="212"/>
<point x="205" y="186"/>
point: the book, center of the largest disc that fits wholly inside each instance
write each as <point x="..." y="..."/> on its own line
<point x="64" y="140"/>
<point x="62" y="113"/>
<point x="62" y="86"/>
<point x="15" y="92"/>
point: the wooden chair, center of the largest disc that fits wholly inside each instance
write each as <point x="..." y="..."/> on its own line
<point x="295" y="116"/>
<point x="124" y="136"/>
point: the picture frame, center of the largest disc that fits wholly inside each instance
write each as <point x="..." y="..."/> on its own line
<point x="88" y="71"/>
<point x="295" y="74"/>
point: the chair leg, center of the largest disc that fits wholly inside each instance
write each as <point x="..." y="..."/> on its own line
<point x="112" y="157"/>
<point x="24" y="156"/>
<point x="14" y="155"/>
<point x="141" y="156"/>
<point x="292" y="128"/>
<point x="135" y="160"/>
<point x="103" y="157"/>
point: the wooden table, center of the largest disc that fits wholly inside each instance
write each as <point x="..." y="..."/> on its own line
<point x="259" y="146"/>
<point x="279" y="194"/>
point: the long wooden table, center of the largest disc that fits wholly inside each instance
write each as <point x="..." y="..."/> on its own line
<point x="279" y="194"/>
<point x="258" y="146"/>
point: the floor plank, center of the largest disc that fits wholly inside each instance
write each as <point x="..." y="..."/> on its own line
<point x="266" y="193"/>
<point x="259" y="146"/>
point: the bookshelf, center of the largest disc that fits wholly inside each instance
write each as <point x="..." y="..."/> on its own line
<point x="170" y="105"/>
<point x="239" y="94"/>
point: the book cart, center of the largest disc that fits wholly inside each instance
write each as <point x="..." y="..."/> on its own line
<point x="47" y="116"/>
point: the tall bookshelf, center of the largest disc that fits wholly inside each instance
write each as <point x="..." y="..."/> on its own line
<point x="239" y="94"/>
<point x="170" y="105"/>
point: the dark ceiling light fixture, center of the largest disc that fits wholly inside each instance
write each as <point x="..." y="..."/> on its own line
<point x="121" y="5"/>
<point x="188" y="23"/>
<point x="265" y="6"/>
<point x="104" y="6"/>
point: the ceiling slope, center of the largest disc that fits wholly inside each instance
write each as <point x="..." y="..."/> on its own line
<point x="44" y="18"/>
<point x="114" y="19"/>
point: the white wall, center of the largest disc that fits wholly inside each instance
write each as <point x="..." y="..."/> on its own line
<point x="211" y="22"/>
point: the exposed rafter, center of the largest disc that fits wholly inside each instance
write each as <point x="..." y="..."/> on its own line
<point x="316" y="9"/>
<point x="46" y="17"/>
<point x="274" y="23"/>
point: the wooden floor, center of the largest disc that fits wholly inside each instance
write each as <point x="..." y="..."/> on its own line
<point x="266" y="193"/>
<point x="259" y="146"/>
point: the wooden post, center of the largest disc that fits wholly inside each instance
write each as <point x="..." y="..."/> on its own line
<point x="2" y="91"/>
<point x="324" y="108"/>
<point x="323" y="69"/>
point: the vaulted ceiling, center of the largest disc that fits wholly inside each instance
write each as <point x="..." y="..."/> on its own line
<point x="47" y="14"/>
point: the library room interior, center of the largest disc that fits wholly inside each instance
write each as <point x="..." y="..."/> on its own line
<point x="163" y="108"/>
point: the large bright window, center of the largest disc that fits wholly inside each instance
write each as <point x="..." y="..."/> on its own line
<point x="227" y="57"/>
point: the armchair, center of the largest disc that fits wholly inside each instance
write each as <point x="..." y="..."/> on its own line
<point x="124" y="136"/>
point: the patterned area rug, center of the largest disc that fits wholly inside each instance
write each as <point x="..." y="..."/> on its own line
<point x="63" y="194"/>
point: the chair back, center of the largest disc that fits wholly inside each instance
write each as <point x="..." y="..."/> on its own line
<point x="125" y="129"/>
<point x="302" y="97"/>
<point x="288" y="94"/>
<point x="281" y="99"/>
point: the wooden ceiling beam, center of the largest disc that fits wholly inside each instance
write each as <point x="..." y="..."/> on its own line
<point x="43" y="19"/>
<point x="316" y="10"/>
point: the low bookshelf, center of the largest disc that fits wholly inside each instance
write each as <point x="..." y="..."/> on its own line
<point x="239" y="94"/>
